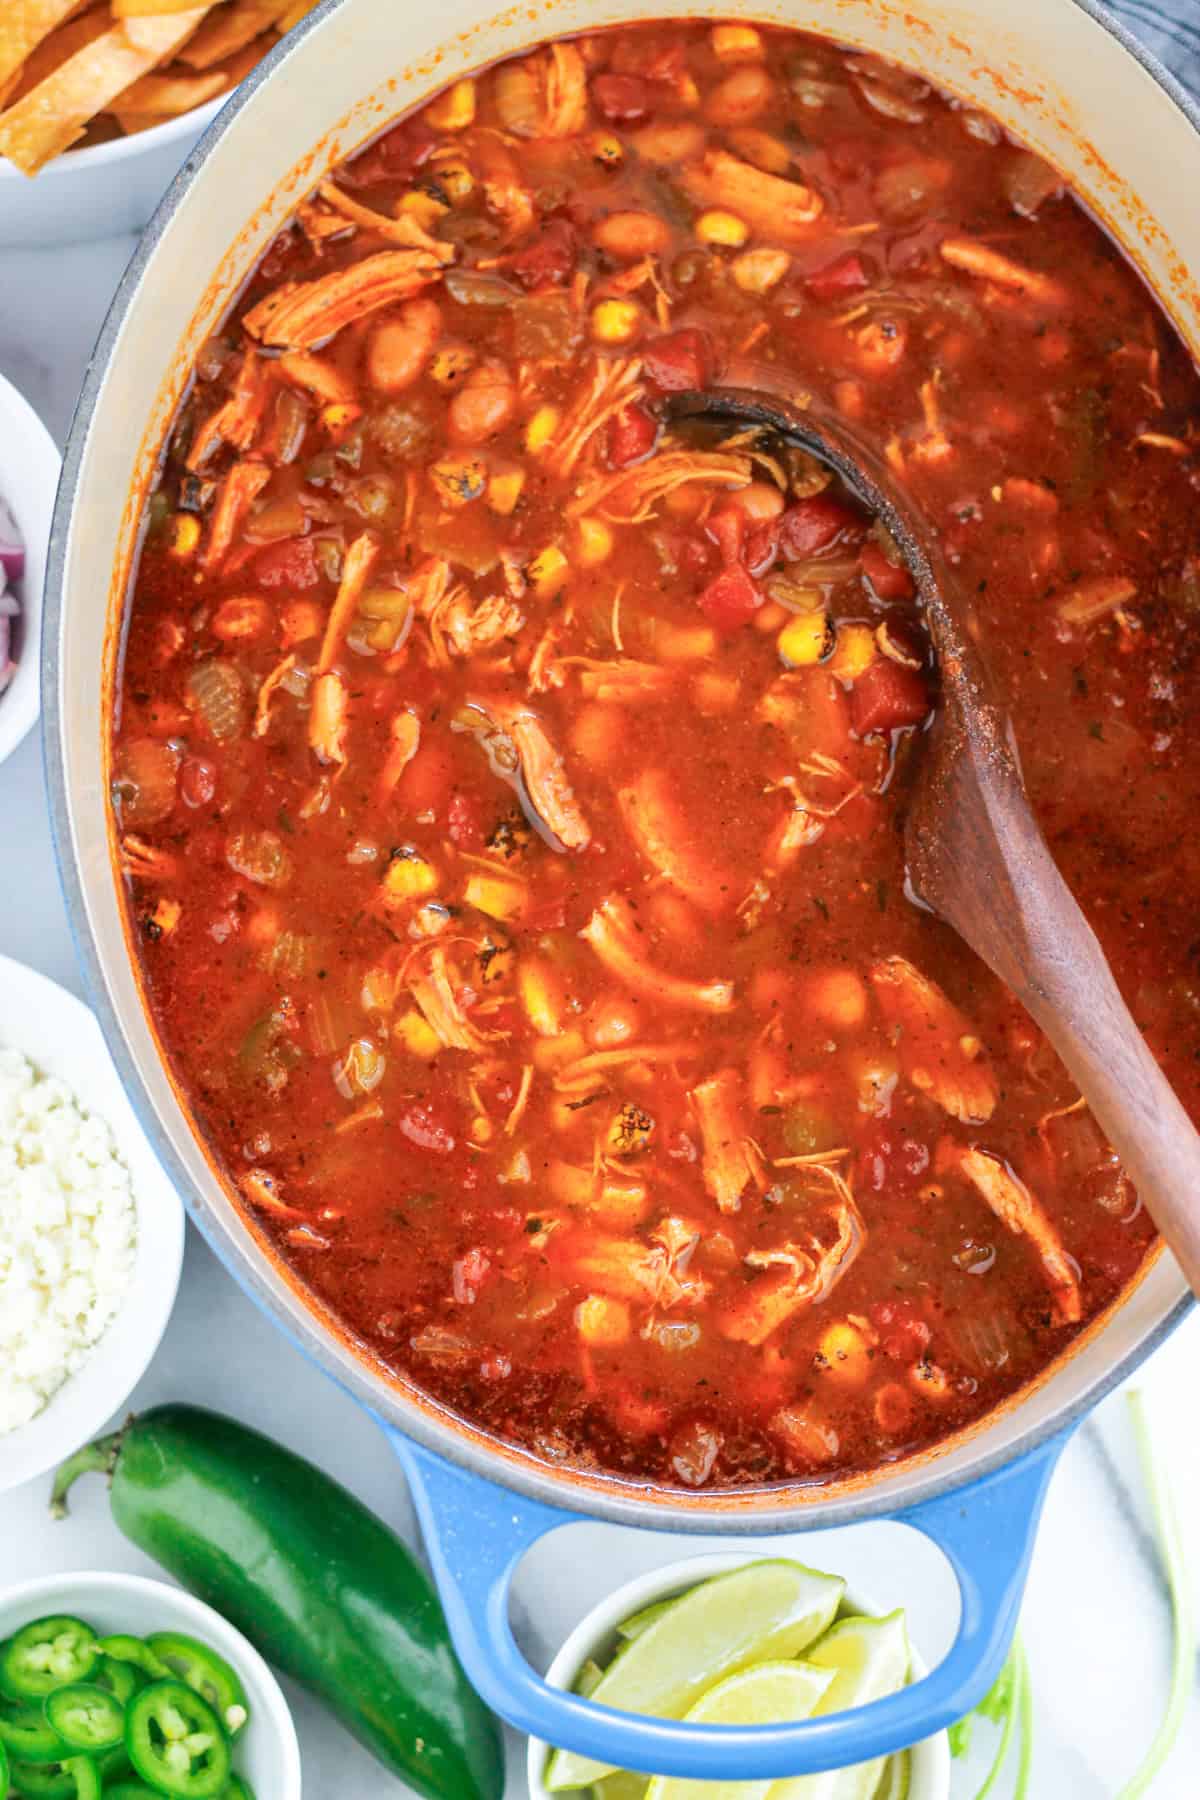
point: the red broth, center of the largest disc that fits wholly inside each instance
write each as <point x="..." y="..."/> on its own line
<point x="511" y="788"/>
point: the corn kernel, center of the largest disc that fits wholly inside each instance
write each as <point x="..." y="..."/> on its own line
<point x="453" y="179"/>
<point x="846" y="1352"/>
<point x="608" y="149"/>
<point x="838" y="997"/>
<point x="184" y="536"/>
<point x="620" y="1205"/>
<point x="548" y="573"/>
<point x="425" y="208"/>
<point x="723" y="228"/>
<point x="601" y="1322"/>
<point x="495" y="895"/>
<point x="459" y="479"/>
<point x="714" y="693"/>
<point x="455" y="109"/>
<point x="408" y="877"/>
<point x="541" y="996"/>
<point x="339" y="416"/>
<point x="804" y="639"/>
<point x="541" y="428"/>
<point x="504" y="490"/>
<point x="758" y="271"/>
<point x="163" y="919"/>
<point x="416" y="1034"/>
<point x="616" y="321"/>
<point x="732" y="41"/>
<point x="855" y="651"/>
<point x="594" y="541"/>
<point x="450" y="364"/>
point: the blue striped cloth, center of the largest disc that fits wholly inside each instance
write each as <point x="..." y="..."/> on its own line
<point x="1171" y="28"/>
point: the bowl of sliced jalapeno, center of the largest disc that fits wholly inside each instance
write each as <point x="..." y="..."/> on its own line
<point x="113" y="1687"/>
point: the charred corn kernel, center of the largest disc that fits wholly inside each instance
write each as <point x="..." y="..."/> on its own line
<point x="616" y="321"/>
<point x="451" y="364"/>
<point x="163" y="920"/>
<point x="339" y="415"/>
<point x="630" y="1131"/>
<point x="758" y="271"/>
<point x="593" y="541"/>
<point x="541" y="428"/>
<point x="608" y="149"/>
<point x="495" y="895"/>
<point x="455" y="109"/>
<point x="722" y="228"/>
<point x="846" y="1352"/>
<point x="408" y="877"/>
<point x="504" y="490"/>
<point x="930" y="1381"/>
<point x="184" y="535"/>
<point x="838" y="998"/>
<point x="541" y="996"/>
<point x="416" y="1034"/>
<point x="425" y="208"/>
<point x="804" y="639"/>
<point x="854" y="651"/>
<point x="459" y="479"/>
<point x="548" y="572"/>
<point x="455" y="180"/>
<point x="602" y="1323"/>
<point x="731" y="41"/>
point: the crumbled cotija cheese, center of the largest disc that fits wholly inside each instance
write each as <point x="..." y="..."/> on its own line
<point x="67" y="1233"/>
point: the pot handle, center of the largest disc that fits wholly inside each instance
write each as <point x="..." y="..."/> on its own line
<point x="477" y="1533"/>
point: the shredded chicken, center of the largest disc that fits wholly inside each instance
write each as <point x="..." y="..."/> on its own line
<point x="404" y="230"/>
<point x="146" y="861"/>
<point x="545" y="791"/>
<point x="319" y="377"/>
<point x="235" y="422"/>
<point x="939" y="1051"/>
<point x="1016" y="1207"/>
<point x="630" y="495"/>
<point x="675" y="847"/>
<point x="266" y="693"/>
<point x="301" y="314"/>
<point x="406" y="737"/>
<point x="978" y="259"/>
<point x="796" y="1275"/>
<point x="784" y="211"/>
<point x="240" y="488"/>
<point x="461" y="626"/>
<point x="591" y="1070"/>
<point x="566" y="91"/>
<point x="729" y="1164"/>
<point x="435" y="995"/>
<point x="614" y="385"/>
<point x="504" y="190"/>
<point x="360" y="560"/>
<point x="615" y="936"/>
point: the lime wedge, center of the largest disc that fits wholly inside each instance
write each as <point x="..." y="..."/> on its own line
<point x="894" y="1783"/>
<point x="768" y="1693"/>
<point x="637" y="1622"/>
<point x="869" y="1658"/>
<point x="623" y="1785"/>
<point x="763" y="1610"/>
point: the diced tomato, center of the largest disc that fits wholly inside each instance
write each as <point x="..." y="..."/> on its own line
<point x="762" y="547"/>
<point x="887" y="697"/>
<point x="464" y="821"/>
<point x="891" y="1162"/>
<point x="731" y="599"/>
<point x="679" y="361"/>
<point x="426" y="1126"/>
<point x="197" y="781"/>
<point x="623" y="99"/>
<point x="631" y="435"/>
<point x="662" y="61"/>
<point x="727" y="527"/>
<point x="291" y="563"/>
<point x="810" y="525"/>
<point x="891" y="581"/>
<point x="904" y="1334"/>
<point x="468" y="1274"/>
<point x="549" y="261"/>
<point x="845" y="275"/>
<point x="396" y="157"/>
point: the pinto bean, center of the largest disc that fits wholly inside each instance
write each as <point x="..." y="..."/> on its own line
<point x="399" y="348"/>
<point x="483" y="405"/>
<point x="630" y="235"/>
<point x="741" y="97"/>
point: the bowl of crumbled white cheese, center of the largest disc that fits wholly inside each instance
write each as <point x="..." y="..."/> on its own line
<point x="91" y="1232"/>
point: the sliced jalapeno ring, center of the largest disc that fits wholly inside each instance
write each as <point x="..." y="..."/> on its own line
<point x="46" y="1654"/>
<point x="176" y="1743"/>
<point x="86" y="1775"/>
<point x="239" y="1789"/>
<point x="135" y="1650"/>
<point x="4" y="1782"/>
<point x="85" y="1717"/>
<point x="55" y="1781"/>
<point x="120" y="1679"/>
<point x="207" y="1673"/>
<point x="133" y="1789"/>
<point x="28" y="1736"/>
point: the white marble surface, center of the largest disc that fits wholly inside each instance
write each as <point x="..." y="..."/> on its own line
<point x="1096" y="1621"/>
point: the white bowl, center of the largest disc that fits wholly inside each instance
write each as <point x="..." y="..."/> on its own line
<point x="102" y="191"/>
<point x="595" y="1637"/>
<point x="29" y="471"/>
<point x="60" y="1037"/>
<point x="267" y="1754"/>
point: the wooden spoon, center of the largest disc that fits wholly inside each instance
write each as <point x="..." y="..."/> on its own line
<point x="976" y="855"/>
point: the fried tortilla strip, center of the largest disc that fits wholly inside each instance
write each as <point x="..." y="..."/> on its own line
<point x="165" y="96"/>
<point x="24" y="24"/>
<point x="301" y="314"/>
<point x="78" y="32"/>
<point x="939" y="1051"/>
<point x="149" y="9"/>
<point x="231" y="28"/>
<point x="48" y="119"/>
<point x="1016" y="1207"/>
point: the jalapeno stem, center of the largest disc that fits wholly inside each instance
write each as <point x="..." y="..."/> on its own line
<point x="99" y="1458"/>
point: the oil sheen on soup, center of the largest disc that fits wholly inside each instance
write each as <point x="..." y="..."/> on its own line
<point x="510" y="786"/>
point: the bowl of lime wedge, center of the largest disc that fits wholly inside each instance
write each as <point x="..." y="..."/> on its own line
<point x="727" y="1639"/>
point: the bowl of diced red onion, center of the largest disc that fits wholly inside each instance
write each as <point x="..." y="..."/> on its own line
<point x="29" y="470"/>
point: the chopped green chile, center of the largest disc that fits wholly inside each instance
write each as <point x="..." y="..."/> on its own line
<point x="542" y="970"/>
<point x="175" y="1742"/>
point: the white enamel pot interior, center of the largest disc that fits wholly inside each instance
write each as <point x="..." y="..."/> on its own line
<point x="1052" y="72"/>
